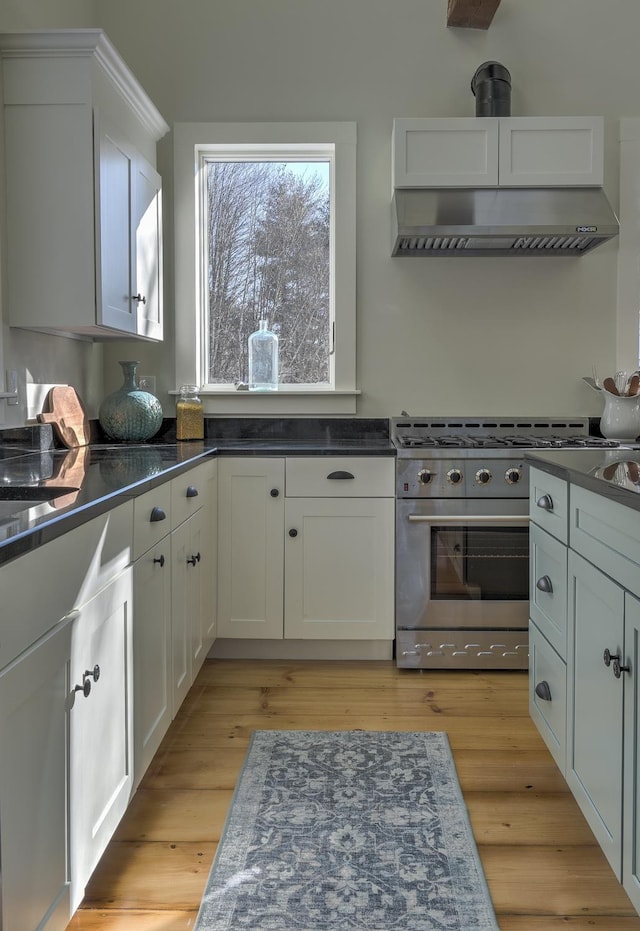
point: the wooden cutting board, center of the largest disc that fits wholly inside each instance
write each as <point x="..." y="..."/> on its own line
<point x="67" y="415"/>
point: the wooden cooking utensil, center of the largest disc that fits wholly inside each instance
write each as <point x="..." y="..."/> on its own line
<point x="634" y="384"/>
<point x="67" y="415"/>
<point x="609" y="385"/>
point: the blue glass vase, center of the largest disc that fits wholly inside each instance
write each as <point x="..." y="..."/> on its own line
<point x="129" y="413"/>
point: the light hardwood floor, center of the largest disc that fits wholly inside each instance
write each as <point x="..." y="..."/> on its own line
<point x="544" y="869"/>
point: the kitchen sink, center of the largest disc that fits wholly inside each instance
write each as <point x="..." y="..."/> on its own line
<point x="34" y="492"/>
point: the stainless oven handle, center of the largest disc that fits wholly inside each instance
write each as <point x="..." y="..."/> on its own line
<point x="519" y="520"/>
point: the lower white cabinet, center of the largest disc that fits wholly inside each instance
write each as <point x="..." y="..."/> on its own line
<point x="631" y="773"/>
<point x="34" y="744"/>
<point x="250" y="547"/>
<point x="595" y="703"/>
<point x="101" y="726"/>
<point x="174" y="605"/>
<point x="588" y="712"/>
<point x="151" y="626"/>
<point x="305" y="548"/>
<point x="95" y="659"/>
<point x="65" y="759"/>
<point x="337" y="558"/>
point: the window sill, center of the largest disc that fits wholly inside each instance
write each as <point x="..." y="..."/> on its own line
<point x="284" y="401"/>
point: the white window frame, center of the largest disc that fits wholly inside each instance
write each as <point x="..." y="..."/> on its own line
<point x="190" y="140"/>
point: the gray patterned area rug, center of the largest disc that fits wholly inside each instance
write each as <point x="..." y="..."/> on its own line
<point x="347" y="831"/>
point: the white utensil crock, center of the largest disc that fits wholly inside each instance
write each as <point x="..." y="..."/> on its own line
<point x="621" y="416"/>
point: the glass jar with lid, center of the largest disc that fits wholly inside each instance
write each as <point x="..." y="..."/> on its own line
<point x="189" y="414"/>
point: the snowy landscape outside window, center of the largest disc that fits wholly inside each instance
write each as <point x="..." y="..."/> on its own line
<point x="267" y="255"/>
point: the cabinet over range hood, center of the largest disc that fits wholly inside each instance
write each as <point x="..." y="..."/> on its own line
<point x="503" y="221"/>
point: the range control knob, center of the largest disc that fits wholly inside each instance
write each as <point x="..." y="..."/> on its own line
<point x="483" y="476"/>
<point x="512" y="476"/>
<point x="454" y="476"/>
<point x="425" y="476"/>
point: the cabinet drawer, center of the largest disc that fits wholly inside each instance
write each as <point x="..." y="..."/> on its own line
<point x="188" y="492"/>
<point x="548" y="505"/>
<point x="340" y="477"/>
<point x="152" y="518"/>
<point x="548" y="705"/>
<point x="40" y="588"/>
<point x="608" y="535"/>
<point x="548" y="587"/>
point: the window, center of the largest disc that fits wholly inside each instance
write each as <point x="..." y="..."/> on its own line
<point x="266" y="232"/>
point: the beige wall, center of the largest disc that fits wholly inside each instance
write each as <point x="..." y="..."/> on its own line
<point x="439" y="336"/>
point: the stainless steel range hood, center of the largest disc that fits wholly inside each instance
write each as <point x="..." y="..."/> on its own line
<point x="500" y="221"/>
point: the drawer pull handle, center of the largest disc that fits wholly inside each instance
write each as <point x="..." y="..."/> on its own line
<point x="544" y="584"/>
<point x="543" y="691"/>
<point x="545" y="502"/>
<point x="340" y="474"/>
<point x="159" y="560"/>
<point x="157" y="514"/>
<point x="192" y="491"/>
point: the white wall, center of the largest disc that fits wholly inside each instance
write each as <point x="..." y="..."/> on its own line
<point x="435" y="336"/>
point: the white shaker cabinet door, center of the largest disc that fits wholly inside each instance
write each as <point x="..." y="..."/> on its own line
<point x="631" y="822"/>
<point x="339" y="568"/>
<point x="33" y="785"/>
<point x="250" y="547"/>
<point x="595" y="703"/>
<point x="101" y="770"/>
<point x="151" y="652"/>
<point x="116" y="308"/>
<point x="147" y="243"/>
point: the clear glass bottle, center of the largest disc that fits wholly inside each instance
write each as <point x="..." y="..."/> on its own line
<point x="263" y="359"/>
<point x="189" y="414"/>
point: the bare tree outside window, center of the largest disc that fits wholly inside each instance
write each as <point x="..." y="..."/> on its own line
<point x="268" y="258"/>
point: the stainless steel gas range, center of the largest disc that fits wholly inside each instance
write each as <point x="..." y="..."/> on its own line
<point x="462" y="536"/>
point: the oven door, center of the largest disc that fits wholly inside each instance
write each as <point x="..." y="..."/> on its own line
<point x="462" y="564"/>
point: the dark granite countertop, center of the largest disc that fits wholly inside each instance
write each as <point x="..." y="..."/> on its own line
<point x="91" y="480"/>
<point x="612" y="473"/>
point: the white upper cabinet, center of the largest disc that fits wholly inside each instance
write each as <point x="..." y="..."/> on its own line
<point x="499" y="152"/>
<point x="84" y="223"/>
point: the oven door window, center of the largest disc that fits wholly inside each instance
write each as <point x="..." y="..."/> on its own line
<point x="479" y="563"/>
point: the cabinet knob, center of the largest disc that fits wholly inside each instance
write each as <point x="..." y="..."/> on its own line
<point x="544" y="584"/>
<point x="157" y="514"/>
<point x="139" y="298"/>
<point x="543" y="691"/>
<point x="159" y="560"/>
<point x="618" y="669"/>
<point x="85" y="688"/>
<point x="293" y="532"/>
<point x="91" y="674"/>
<point x="274" y="493"/>
<point x="192" y="491"/>
<point x="545" y="502"/>
<point x="611" y="659"/>
<point x="192" y="560"/>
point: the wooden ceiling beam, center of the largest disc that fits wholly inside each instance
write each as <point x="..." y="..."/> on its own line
<point x="471" y="14"/>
